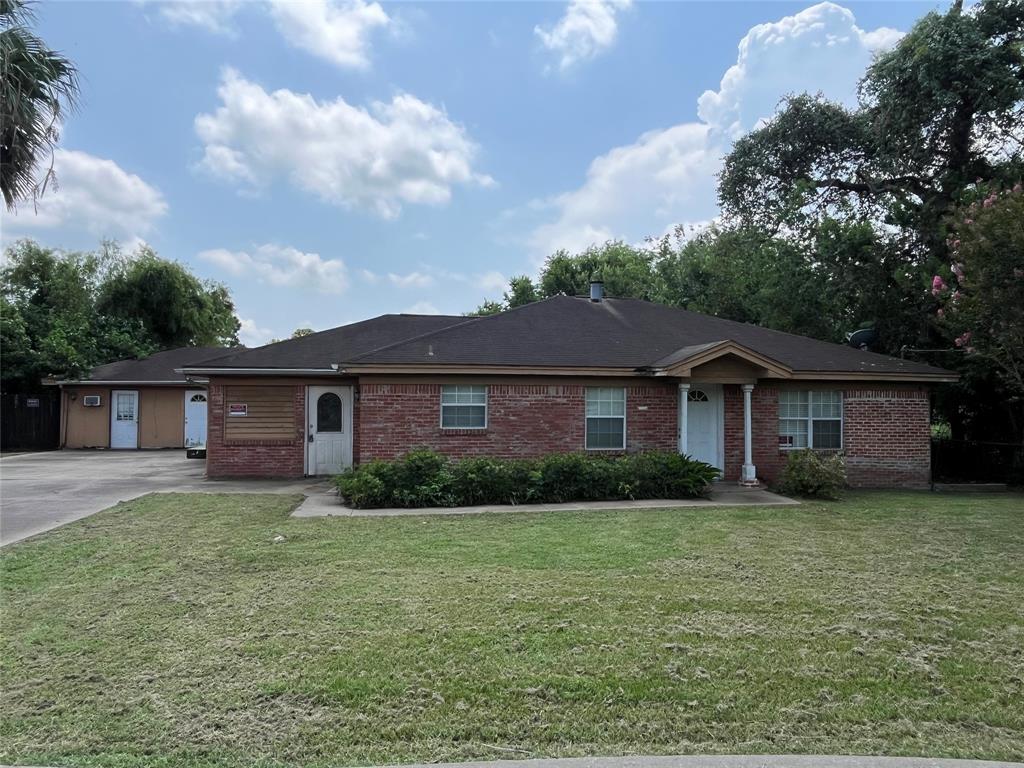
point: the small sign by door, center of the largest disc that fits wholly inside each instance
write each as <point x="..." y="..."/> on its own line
<point x="238" y="409"/>
<point x="32" y="402"/>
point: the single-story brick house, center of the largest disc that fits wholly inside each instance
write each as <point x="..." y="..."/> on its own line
<point x="138" y="403"/>
<point x="566" y="374"/>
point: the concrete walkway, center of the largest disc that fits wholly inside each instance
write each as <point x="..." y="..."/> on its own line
<point x="730" y="761"/>
<point x="325" y="503"/>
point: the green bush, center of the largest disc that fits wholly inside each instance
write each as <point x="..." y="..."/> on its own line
<point x="808" y="473"/>
<point x="423" y="478"/>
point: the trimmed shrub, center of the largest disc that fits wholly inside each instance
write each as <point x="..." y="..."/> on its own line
<point x="423" y="478"/>
<point x="813" y="474"/>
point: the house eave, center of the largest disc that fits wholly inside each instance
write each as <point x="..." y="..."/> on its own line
<point x="118" y="382"/>
<point x="258" y="371"/>
<point x="520" y="370"/>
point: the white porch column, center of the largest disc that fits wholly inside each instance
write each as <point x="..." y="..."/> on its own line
<point x="749" y="475"/>
<point x="684" y="399"/>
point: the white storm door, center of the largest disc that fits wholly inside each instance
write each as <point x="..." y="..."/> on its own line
<point x="124" y="418"/>
<point x="329" y="430"/>
<point x="704" y="424"/>
<point x="195" y="417"/>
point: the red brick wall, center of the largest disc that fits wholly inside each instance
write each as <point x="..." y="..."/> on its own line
<point x="253" y="458"/>
<point x="885" y="428"/>
<point x="522" y="420"/>
<point x="885" y="434"/>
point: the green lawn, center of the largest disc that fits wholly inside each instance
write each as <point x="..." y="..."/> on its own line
<point x="175" y="631"/>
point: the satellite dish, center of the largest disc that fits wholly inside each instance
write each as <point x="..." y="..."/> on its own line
<point x="862" y="339"/>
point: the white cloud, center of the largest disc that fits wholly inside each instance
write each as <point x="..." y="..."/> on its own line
<point x="668" y="176"/>
<point x="216" y="16"/>
<point x="422" y="308"/>
<point x="335" y="31"/>
<point x="93" y="195"/>
<point x="251" y="334"/>
<point x="411" y="280"/>
<point x="376" y="158"/>
<point x="819" y="49"/>
<point x="428" y="276"/>
<point x="588" y="28"/>
<point x="282" y="266"/>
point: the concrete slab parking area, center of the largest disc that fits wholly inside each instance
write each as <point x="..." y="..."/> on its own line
<point x="42" y="491"/>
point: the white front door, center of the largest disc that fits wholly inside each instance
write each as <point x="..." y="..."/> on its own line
<point x="195" y="417"/>
<point x="704" y="424"/>
<point x="329" y="434"/>
<point x="124" y="418"/>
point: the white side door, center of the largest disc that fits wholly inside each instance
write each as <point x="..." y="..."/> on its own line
<point x="195" y="417"/>
<point x="329" y="430"/>
<point x="704" y="424"/>
<point x="124" y="418"/>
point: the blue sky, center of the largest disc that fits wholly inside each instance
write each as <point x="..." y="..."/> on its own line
<point x="335" y="160"/>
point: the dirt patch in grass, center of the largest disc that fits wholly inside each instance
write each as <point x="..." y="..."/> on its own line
<point x="216" y="630"/>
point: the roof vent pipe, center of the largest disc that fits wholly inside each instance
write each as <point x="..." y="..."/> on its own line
<point x="596" y="290"/>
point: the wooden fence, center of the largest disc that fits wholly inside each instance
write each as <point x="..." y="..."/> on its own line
<point x="30" y="422"/>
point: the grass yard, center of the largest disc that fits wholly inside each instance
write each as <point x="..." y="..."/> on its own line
<point x="174" y="631"/>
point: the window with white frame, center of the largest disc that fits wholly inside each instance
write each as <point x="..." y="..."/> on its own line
<point x="463" y="407"/>
<point x="811" y="419"/>
<point x="606" y="418"/>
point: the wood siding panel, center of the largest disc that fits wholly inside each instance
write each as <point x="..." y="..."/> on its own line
<point x="270" y="416"/>
<point x="161" y="417"/>
<point x="86" y="427"/>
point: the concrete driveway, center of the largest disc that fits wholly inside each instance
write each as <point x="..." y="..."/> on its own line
<point x="43" y="491"/>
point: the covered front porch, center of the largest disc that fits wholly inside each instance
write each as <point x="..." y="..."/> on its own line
<point x="719" y="419"/>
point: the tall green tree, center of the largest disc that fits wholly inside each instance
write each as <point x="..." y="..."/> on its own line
<point x="981" y="292"/>
<point x="176" y="309"/>
<point x="742" y="274"/>
<point x="56" y="315"/>
<point x="936" y="113"/>
<point x="624" y="269"/>
<point x="38" y="87"/>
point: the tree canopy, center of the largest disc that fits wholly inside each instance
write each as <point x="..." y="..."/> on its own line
<point x="942" y="109"/>
<point x="38" y="86"/>
<point x="64" y="313"/>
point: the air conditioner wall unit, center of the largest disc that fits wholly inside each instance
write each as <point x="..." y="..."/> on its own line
<point x="91" y="401"/>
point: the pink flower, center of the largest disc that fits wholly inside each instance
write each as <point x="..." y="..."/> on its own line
<point x="963" y="339"/>
<point x="969" y="350"/>
<point x="958" y="269"/>
<point x="1018" y="187"/>
<point x="968" y="222"/>
<point x="940" y="313"/>
<point x="956" y="296"/>
<point x="938" y="285"/>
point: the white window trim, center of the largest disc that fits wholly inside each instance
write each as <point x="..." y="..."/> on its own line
<point x="487" y="400"/>
<point x="586" y="420"/>
<point x="810" y="422"/>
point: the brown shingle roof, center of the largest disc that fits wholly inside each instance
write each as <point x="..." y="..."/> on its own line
<point x="158" y="367"/>
<point x="559" y="332"/>
<point x="320" y="350"/>
<point x="621" y="333"/>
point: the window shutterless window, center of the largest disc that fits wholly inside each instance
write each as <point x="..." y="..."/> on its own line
<point x="811" y="420"/>
<point x="463" y="407"/>
<point x="606" y="418"/>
